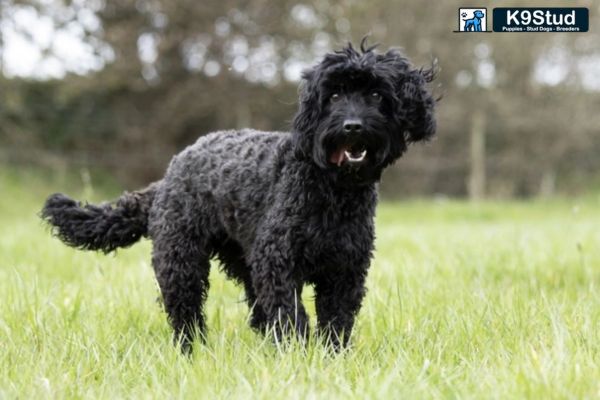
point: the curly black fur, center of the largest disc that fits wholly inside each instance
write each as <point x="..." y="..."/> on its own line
<point x="102" y="227"/>
<point x="278" y="209"/>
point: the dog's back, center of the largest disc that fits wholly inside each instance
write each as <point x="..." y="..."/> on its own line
<point x="230" y="175"/>
<point x="225" y="171"/>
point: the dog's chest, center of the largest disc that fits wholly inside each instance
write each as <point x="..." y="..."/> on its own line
<point x="339" y="237"/>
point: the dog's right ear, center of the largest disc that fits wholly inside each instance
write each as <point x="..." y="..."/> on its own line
<point x="306" y="119"/>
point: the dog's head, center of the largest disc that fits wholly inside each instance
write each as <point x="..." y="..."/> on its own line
<point x="359" y="110"/>
<point x="478" y="14"/>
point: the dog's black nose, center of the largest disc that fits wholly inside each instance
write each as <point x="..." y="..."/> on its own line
<point x="352" y="125"/>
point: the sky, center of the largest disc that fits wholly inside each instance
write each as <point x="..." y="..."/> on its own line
<point x="34" y="47"/>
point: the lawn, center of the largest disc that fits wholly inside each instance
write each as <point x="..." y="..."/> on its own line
<point x="494" y="300"/>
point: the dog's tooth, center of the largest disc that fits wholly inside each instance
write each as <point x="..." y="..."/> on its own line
<point x="355" y="159"/>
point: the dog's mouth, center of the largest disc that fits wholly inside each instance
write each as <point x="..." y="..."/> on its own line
<point x="349" y="154"/>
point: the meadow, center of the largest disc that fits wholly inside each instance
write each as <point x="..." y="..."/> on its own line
<point x="499" y="299"/>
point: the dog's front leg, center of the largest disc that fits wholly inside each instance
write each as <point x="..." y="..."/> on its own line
<point x="339" y="296"/>
<point x="278" y="288"/>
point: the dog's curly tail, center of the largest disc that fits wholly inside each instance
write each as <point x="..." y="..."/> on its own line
<point x="104" y="227"/>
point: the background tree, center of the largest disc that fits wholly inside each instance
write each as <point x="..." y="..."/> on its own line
<point x="169" y="71"/>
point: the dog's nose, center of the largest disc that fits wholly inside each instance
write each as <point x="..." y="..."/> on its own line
<point x="352" y="125"/>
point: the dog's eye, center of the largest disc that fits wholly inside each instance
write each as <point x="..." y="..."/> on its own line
<point x="334" y="97"/>
<point x="376" y="96"/>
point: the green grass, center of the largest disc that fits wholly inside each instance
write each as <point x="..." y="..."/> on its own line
<point x="495" y="300"/>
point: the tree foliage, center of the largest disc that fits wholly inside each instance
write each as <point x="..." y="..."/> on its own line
<point x="174" y="70"/>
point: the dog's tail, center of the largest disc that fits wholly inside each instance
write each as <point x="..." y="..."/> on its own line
<point x="104" y="227"/>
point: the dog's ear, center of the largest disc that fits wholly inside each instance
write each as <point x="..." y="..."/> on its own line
<point x="306" y="119"/>
<point x="417" y="105"/>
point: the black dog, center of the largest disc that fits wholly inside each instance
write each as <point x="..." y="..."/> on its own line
<point x="279" y="210"/>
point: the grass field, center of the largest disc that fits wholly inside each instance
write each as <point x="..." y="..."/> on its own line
<point x="496" y="300"/>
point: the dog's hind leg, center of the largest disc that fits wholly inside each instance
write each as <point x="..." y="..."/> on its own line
<point x="180" y="258"/>
<point x="258" y="318"/>
<point x="182" y="270"/>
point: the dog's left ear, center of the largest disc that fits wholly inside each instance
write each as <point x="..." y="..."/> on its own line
<point x="306" y="119"/>
<point x="415" y="107"/>
<point x="417" y="104"/>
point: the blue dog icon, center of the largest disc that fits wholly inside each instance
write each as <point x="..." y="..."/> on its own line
<point x="474" y="24"/>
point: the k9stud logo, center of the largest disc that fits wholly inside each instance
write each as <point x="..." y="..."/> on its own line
<point x="472" y="19"/>
<point x="524" y="19"/>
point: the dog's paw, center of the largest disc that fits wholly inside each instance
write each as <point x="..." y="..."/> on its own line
<point x="333" y="339"/>
<point x="284" y="327"/>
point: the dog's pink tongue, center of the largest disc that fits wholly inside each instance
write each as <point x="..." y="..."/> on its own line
<point x="338" y="156"/>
